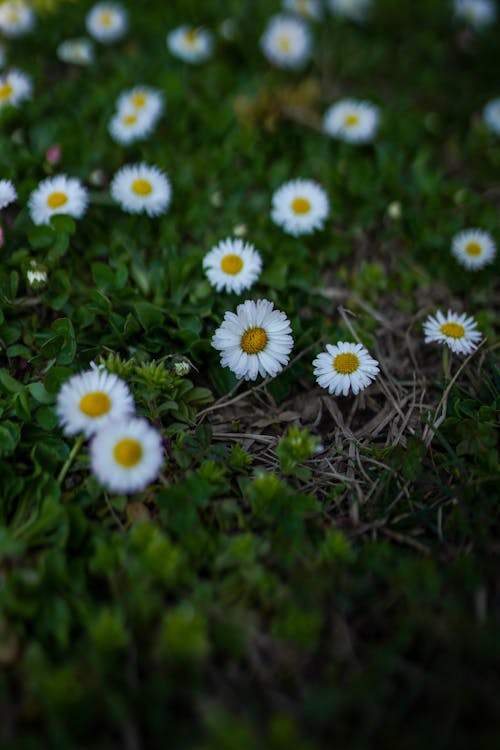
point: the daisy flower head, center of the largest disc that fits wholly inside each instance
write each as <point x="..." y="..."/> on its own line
<point x="8" y="193"/>
<point x="300" y="206"/>
<point x="353" y="10"/>
<point x="141" y="100"/>
<point x="459" y="332"/>
<point x="232" y="265"/>
<point x="477" y="13"/>
<point x="352" y="121"/>
<point x="76" y="51"/>
<point x="15" y="87"/>
<point x="107" y="22"/>
<point x="255" y="340"/>
<point x="287" y="42"/>
<point x="345" y="367"/>
<point x="473" y="248"/>
<point x="139" y="188"/>
<point x="126" y="455"/>
<point x="16" y="18"/>
<point x="88" y="400"/>
<point x="191" y="44"/>
<point x="491" y="115"/>
<point x="127" y="126"/>
<point x="309" y="9"/>
<point x="57" y="195"/>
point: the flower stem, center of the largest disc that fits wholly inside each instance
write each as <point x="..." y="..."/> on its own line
<point x="446" y="363"/>
<point x="74" y="451"/>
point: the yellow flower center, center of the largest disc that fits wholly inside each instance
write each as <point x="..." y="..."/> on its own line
<point x="254" y="340"/>
<point x="453" y="330"/>
<point x="191" y="37"/>
<point x="128" y="452"/>
<point x="142" y="187"/>
<point x="301" y="206"/>
<point x="56" y="200"/>
<point x="13" y="17"/>
<point x="351" y="120"/>
<point x="474" y="249"/>
<point x="231" y="264"/>
<point x="346" y="363"/>
<point x="139" y="99"/>
<point x="284" y="44"/>
<point x="129" y="119"/>
<point x="95" y="404"/>
<point x="106" y="18"/>
<point x="5" y="91"/>
<point x="301" y="7"/>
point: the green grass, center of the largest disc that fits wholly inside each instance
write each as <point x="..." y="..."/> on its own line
<point x="310" y="572"/>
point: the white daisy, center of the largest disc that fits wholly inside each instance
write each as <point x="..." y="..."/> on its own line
<point x="232" y="265"/>
<point x="8" y="193"/>
<point x="15" y="87"/>
<point x="107" y="22"/>
<point x="478" y="13"/>
<point x="307" y="8"/>
<point x="126" y="455"/>
<point x="57" y="195"/>
<point x="300" y="207"/>
<point x="140" y="188"/>
<point x="141" y="100"/>
<point x="352" y="121"/>
<point x="254" y="341"/>
<point x="16" y="18"/>
<point x="286" y="42"/>
<point x="191" y="44"/>
<point x="491" y="115"/>
<point x="76" y="51"/>
<point x="88" y="400"/>
<point x="127" y="126"/>
<point x="354" y="10"/>
<point x="345" y="367"/>
<point x="474" y="248"/>
<point x="458" y="331"/>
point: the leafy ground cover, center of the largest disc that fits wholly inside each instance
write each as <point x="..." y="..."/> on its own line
<point x="307" y="570"/>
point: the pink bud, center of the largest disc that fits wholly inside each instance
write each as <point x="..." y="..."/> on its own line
<point x="53" y="154"/>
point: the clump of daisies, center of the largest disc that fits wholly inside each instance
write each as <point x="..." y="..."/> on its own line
<point x="16" y="18"/>
<point x="8" y="193"/>
<point x="477" y="13"/>
<point x="140" y="188"/>
<point x="491" y="115"/>
<point x="107" y="22"/>
<point x="286" y="42"/>
<point x="190" y="43"/>
<point x="458" y="332"/>
<point x="15" y="88"/>
<point x="137" y="113"/>
<point x="300" y="207"/>
<point x="353" y="10"/>
<point x="352" y="120"/>
<point x="57" y="195"/>
<point x="232" y="265"/>
<point x="473" y="248"/>
<point x="76" y="51"/>
<point x="256" y="340"/>
<point x="125" y="452"/>
<point x="345" y="367"/>
<point x="310" y="9"/>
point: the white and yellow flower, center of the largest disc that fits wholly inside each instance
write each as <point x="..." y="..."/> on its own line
<point x="345" y="367"/>
<point x="58" y="195"/>
<point x="8" y="193"/>
<point x="141" y="100"/>
<point x="232" y="265"/>
<point x="491" y="115"/>
<point x="139" y="188"/>
<point x="286" y="42"/>
<point x="300" y="207"/>
<point x="191" y="44"/>
<point x="352" y="120"/>
<point x="473" y="248"/>
<point x="76" y="51"/>
<point x="459" y="332"/>
<point x="107" y="22"/>
<point x="255" y="340"/>
<point x="309" y="9"/>
<point x="126" y="455"/>
<point x="88" y="400"/>
<point x="127" y="126"/>
<point x="16" y="18"/>
<point x="15" y="88"/>
<point x="477" y="13"/>
<point x="353" y="10"/>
